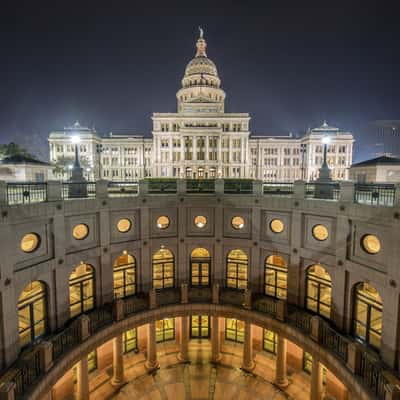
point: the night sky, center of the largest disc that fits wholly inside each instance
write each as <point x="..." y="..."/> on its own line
<point x="289" y="64"/>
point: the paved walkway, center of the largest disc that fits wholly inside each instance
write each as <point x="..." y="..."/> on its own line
<point x="199" y="379"/>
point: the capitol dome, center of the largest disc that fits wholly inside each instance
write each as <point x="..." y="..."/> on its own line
<point x="201" y="65"/>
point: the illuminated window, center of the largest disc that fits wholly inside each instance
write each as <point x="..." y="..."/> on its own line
<point x="163" y="269"/>
<point x="371" y="244"/>
<point x="163" y="222"/>
<point x="92" y="365"/>
<point x="367" y="318"/>
<point x="237" y="223"/>
<point x="277" y="226"/>
<point x="307" y="366"/>
<point x="319" y="291"/>
<point x="320" y="232"/>
<point x="80" y="231"/>
<point x="129" y="340"/>
<point x="276" y="277"/>
<point x="81" y="290"/>
<point x="236" y="269"/>
<point x="234" y="330"/>
<point x="200" y="262"/>
<point x="124" y="276"/>
<point x="32" y="313"/>
<point x="30" y="242"/>
<point x="270" y="341"/>
<point x="200" y="221"/>
<point x="199" y="326"/>
<point x="124" y="225"/>
<point x="165" y="329"/>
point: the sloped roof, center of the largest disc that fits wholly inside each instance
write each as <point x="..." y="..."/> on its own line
<point x="382" y="160"/>
<point x="22" y="159"/>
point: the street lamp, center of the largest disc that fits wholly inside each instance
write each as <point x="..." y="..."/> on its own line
<point x="303" y="151"/>
<point x="99" y="150"/>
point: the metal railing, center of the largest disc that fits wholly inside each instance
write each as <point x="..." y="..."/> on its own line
<point x="100" y="317"/>
<point x="334" y="342"/>
<point x="265" y="304"/>
<point x="238" y="186"/>
<point x="200" y="295"/>
<point x="27" y="373"/>
<point x="136" y="303"/>
<point x="374" y="194"/>
<point x="66" y="340"/>
<point x="371" y="373"/>
<point x="122" y="189"/>
<point x="26" y="193"/>
<point x="323" y="191"/>
<point x="200" y="185"/>
<point x="299" y="319"/>
<point x="278" y="188"/>
<point x="231" y="296"/>
<point x="162" y="185"/>
<point x="168" y="296"/>
<point x="78" y="190"/>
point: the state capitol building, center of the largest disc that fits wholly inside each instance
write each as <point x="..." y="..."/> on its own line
<point x="201" y="140"/>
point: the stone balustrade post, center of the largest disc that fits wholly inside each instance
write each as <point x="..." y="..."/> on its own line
<point x="7" y="391"/>
<point x="143" y="187"/>
<point x="119" y="311"/>
<point x="118" y="377"/>
<point x="281" y="310"/>
<point x="258" y="188"/>
<point x="84" y="326"/>
<point x="46" y="355"/>
<point x="299" y="190"/>
<point x="248" y="361"/>
<point x="54" y="190"/>
<point x="215" y="293"/>
<point x="184" y="293"/>
<point x="397" y="195"/>
<point x="181" y="186"/>
<point x="247" y="299"/>
<point x="152" y="299"/>
<point x="3" y="193"/>
<point x="219" y="186"/>
<point x="347" y="191"/>
<point x="315" y="328"/>
<point x="354" y="353"/>
<point x="101" y="189"/>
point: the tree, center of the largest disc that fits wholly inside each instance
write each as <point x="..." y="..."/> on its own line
<point x="62" y="166"/>
<point x="13" y="149"/>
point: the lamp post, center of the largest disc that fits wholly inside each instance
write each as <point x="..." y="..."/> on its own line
<point x="303" y="151"/>
<point x="99" y="150"/>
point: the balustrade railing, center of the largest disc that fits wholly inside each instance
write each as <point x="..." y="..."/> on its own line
<point x="162" y="185"/>
<point x="375" y="194"/>
<point x="28" y="369"/>
<point x="78" y="190"/>
<point x="278" y="188"/>
<point x="122" y="189"/>
<point x="26" y="193"/>
<point x="200" y="185"/>
<point x="238" y="186"/>
<point x="323" y="191"/>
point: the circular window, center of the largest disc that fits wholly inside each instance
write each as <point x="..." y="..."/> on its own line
<point x="277" y="226"/>
<point x="163" y="222"/>
<point x="30" y="242"/>
<point x="371" y="244"/>
<point x="80" y="231"/>
<point x="200" y="221"/>
<point x="237" y="222"/>
<point x="124" y="225"/>
<point x="320" y="232"/>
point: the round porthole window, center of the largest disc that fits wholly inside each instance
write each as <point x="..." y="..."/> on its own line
<point x="163" y="222"/>
<point x="124" y="225"/>
<point x="371" y="244"/>
<point x="30" y="242"/>
<point x="237" y="222"/>
<point x="277" y="226"/>
<point x="80" y="231"/>
<point x="200" y="221"/>
<point x="320" y="232"/>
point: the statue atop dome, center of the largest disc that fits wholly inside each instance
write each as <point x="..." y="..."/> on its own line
<point x="201" y="44"/>
<point x="201" y="32"/>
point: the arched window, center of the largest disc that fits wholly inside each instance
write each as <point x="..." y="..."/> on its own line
<point x="163" y="269"/>
<point x="32" y="312"/>
<point x="200" y="262"/>
<point x="81" y="290"/>
<point x="236" y="269"/>
<point x="367" y="315"/>
<point x="319" y="288"/>
<point x="276" y="277"/>
<point x="124" y="276"/>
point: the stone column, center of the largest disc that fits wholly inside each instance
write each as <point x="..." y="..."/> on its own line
<point x="280" y="373"/>
<point x="215" y="344"/>
<point x="151" y="362"/>
<point x="82" y="387"/>
<point x="118" y="362"/>
<point x="316" y="380"/>
<point x="248" y="362"/>
<point x="184" y="342"/>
